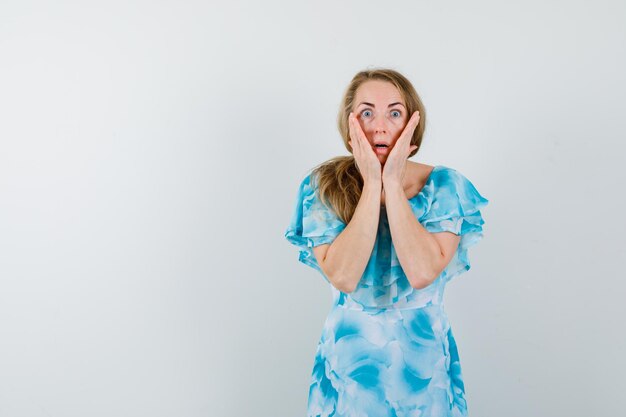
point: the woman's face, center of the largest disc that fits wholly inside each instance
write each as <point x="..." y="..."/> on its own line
<point x="382" y="114"/>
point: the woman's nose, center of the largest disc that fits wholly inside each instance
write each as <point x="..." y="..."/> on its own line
<point x="380" y="125"/>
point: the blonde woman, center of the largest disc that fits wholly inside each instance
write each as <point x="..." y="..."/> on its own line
<point x="387" y="234"/>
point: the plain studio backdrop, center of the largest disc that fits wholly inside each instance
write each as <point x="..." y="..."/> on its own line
<point x="150" y="157"/>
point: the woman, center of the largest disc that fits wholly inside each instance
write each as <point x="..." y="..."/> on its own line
<point x="388" y="234"/>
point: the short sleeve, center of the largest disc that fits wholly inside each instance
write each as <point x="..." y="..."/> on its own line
<point x="455" y="208"/>
<point x="312" y="224"/>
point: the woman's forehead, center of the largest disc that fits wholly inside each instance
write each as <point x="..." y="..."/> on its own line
<point x="378" y="91"/>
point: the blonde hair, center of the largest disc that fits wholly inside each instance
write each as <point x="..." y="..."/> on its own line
<point x="339" y="182"/>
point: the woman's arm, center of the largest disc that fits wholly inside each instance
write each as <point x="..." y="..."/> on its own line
<point x="422" y="255"/>
<point x="344" y="260"/>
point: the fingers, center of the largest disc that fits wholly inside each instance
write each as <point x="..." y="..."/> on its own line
<point x="357" y="145"/>
<point x="356" y="128"/>
<point x="407" y="133"/>
<point x="355" y="142"/>
<point x="403" y="144"/>
<point x="366" y="159"/>
<point x="358" y="135"/>
<point x="415" y="118"/>
<point x="361" y="135"/>
<point x="351" y="128"/>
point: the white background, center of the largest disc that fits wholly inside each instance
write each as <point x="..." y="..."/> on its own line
<point x="150" y="154"/>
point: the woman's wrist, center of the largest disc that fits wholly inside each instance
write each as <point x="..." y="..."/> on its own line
<point x="375" y="184"/>
<point x="393" y="188"/>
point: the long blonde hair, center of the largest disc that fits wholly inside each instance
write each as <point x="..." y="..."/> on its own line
<point x="338" y="180"/>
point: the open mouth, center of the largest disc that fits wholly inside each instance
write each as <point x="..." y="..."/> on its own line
<point x="381" y="149"/>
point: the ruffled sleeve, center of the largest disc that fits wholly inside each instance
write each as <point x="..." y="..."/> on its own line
<point x="455" y="208"/>
<point x="312" y="224"/>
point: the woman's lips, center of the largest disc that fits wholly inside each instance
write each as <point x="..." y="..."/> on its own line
<point x="381" y="150"/>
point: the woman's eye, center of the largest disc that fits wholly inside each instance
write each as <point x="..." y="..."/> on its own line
<point x="396" y="113"/>
<point x="366" y="113"/>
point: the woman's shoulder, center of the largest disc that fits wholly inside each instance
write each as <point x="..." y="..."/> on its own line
<point x="442" y="182"/>
<point x="450" y="184"/>
<point x="443" y="175"/>
<point x="423" y="172"/>
<point x="420" y="172"/>
<point x="422" y="177"/>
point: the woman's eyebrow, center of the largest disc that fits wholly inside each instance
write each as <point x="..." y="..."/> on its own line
<point x="370" y="104"/>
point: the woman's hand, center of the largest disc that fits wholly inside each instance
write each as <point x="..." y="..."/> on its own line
<point x="395" y="165"/>
<point x="367" y="162"/>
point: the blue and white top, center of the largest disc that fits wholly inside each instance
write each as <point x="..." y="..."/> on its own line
<point x="447" y="202"/>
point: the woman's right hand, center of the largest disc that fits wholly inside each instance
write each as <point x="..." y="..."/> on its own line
<point x="367" y="162"/>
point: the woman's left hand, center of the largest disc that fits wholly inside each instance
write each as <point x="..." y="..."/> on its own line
<point x="395" y="165"/>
